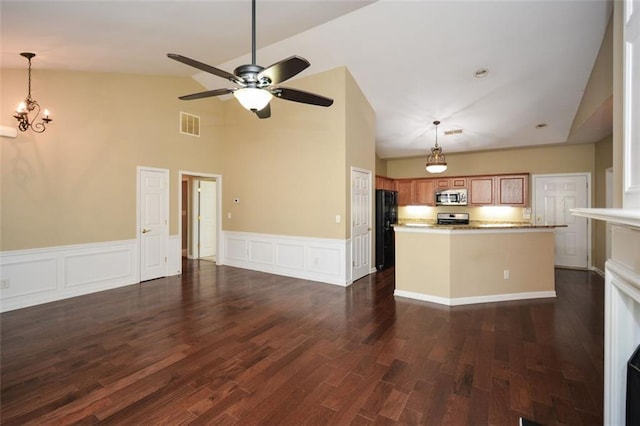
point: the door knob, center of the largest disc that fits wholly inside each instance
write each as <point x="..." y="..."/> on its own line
<point x="144" y="230"/>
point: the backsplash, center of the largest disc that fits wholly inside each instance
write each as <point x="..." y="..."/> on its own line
<point x="498" y="214"/>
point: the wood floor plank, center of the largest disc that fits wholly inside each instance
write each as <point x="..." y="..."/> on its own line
<point x="221" y="345"/>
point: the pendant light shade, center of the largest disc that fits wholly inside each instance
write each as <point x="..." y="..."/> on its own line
<point x="436" y="162"/>
<point x="253" y="99"/>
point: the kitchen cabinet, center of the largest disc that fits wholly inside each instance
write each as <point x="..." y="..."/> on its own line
<point x="424" y="192"/>
<point x="481" y="191"/>
<point x="405" y="191"/>
<point x="451" y="183"/>
<point x="490" y="190"/>
<point x="416" y="192"/>
<point x="499" y="190"/>
<point x="513" y="190"/>
<point x="383" y="182"/>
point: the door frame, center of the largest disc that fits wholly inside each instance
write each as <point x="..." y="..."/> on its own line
<point x="167" y="174"/>
<point x="369" y="173"/>
<point x="218" y="178"/>
<point x="587" y="175"/>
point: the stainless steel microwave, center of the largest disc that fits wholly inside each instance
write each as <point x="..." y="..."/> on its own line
<point x="451" y="197"/>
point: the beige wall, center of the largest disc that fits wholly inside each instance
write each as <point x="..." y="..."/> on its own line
<point x="76" y="182"/>
<point x="360" y="142"/>
<point x="288" y="171"/>
<point x="381" y="166"/>
<point x="603" y="160"/>
<point x="545" y="159"/>
<point x="599" y="89"/>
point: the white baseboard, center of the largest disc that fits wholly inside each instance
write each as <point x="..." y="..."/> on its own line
<point x="475" y="299"/>
<point x="316" y="259"/>
<point x="597" y="271"/>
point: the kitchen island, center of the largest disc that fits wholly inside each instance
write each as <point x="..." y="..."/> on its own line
<point x="476" y="263"/>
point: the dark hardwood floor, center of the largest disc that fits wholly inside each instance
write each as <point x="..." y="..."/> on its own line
<point x="220" y="345"/>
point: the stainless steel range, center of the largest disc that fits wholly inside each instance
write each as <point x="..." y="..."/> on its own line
<point x="453" y="219"/>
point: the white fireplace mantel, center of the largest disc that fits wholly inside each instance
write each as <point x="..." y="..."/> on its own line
<point x="622" y="305"/>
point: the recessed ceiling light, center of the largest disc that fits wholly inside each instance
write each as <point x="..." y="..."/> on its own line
<point x="481" y="73"/>
<point x="541" y="125"/>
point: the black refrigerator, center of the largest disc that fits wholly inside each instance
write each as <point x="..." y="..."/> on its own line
<point x="386" y="216"/>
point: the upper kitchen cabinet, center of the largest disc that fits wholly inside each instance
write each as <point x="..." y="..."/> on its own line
<point x="513" y="190"/>
<point x="424" y="192"/>
<point x="385" y="183"/>
<point x="416" y="192"/>
<point x="451" y="183"/>
<point x="481" y="191"/>
<point x="501" y="190"/>
<point x="405" y="191"/>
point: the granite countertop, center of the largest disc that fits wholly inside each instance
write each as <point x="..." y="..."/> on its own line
<point x="474" y="225"/>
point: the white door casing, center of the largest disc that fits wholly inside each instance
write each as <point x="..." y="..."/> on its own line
<point x="153" y="222"/>
<point x="554" y="196"/>
<point x="361" y="197"/>
<point x="194" y="178"/>
<point x="207" y="227"/>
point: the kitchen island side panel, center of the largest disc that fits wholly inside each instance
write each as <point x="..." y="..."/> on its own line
<point x="453" y="266"/>
<point x="423" y="263"/>
<point x="502" y="263"/>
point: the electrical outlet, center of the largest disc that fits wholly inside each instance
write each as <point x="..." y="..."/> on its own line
<point x="4" y="283"/>
<point x="506" y="274"/>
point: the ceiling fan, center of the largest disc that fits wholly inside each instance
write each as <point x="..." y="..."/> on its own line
<point x="257" y="84"/>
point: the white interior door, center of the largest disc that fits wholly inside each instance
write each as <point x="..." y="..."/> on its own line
<point x="153" y="198"/>
<point x="360" y="223"/>
<point x="555" y="195"/>
<point x="207" y="228"/>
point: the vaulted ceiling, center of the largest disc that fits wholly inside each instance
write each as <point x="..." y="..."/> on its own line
<point x="415" y="61"/>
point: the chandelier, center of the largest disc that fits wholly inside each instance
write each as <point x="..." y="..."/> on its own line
<point x="30" y="106"/>
<point x="436" y="162"/>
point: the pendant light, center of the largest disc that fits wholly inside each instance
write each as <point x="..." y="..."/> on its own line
<point x="436" y="162"/>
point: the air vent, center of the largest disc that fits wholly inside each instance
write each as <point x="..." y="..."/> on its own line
<point x="189" y="124"/>
<point x="453" y="132"/>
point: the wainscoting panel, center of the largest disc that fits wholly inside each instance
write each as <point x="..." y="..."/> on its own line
<point x="32" y="277"/>
<point x="316" y="259"/>
<point x="97" y="265"/>
<point x="236" y="249"/>
<point x="290" y="255"/>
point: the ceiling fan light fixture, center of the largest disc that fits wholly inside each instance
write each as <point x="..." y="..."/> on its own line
<point x="436" y="162"/>
<point x="252" y="98"/>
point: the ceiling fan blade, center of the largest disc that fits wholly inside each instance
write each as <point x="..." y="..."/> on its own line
<point x="296" y="95"/>
<point x="264" y="112"/>
<point x="205" y="67"/>
<point x="284" y="70"/>
<point x="207" y="94"/>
